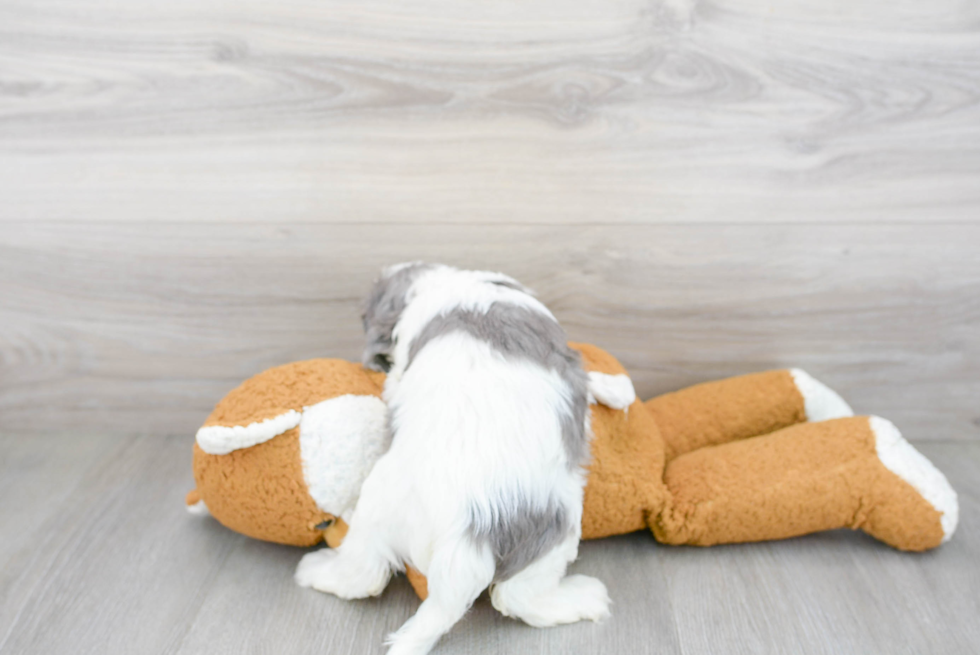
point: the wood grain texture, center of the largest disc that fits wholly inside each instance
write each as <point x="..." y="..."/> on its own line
<point x="624" y="111"/>
<point x="37" y="477"/>
<point x="118" y="567"/>
<point x="141" y="328"/>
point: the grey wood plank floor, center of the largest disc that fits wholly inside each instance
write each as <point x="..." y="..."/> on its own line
<point x="98" y="556"/>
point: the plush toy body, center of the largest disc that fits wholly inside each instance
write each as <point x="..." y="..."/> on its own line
<point x="763" y="456"/>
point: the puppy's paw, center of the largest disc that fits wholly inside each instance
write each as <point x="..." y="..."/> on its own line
<point x="314" y="567"/>
<point x="407" y="649"/>
<point x="346" y="576"/>
<point x="412" y="638"/>
<point x="401" y="646"/>
<point x="588" y="595"/>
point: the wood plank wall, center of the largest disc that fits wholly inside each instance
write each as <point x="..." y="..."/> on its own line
<point x="195" y="190"/>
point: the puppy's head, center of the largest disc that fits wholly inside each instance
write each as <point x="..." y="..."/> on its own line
<point x="384" y="308"/>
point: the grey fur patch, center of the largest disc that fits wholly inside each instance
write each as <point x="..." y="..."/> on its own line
<point x="519" y="538"/>
<point x="523" y="333"/>
<point x="382" y="310"/>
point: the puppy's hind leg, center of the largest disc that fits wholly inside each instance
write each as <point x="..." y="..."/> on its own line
<point x="457" y="574"/>
<point x="541" y="595"/>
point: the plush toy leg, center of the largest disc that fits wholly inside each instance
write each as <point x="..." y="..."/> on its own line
<point x="851" y="472"/>
<point x="741" y="407"/>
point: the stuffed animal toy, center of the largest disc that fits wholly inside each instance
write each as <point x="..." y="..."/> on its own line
<point x="762" y="456"/>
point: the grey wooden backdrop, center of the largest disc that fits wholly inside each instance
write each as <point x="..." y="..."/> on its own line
<point x="194" y="190"/>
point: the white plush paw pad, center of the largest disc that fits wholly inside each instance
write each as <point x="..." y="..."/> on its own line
<point x="198" y="509"/>
<point x="591" y="597"/>
<point x="820" y="401"/>
<point x="902" y="459"/>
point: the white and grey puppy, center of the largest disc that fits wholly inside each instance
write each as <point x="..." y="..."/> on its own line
<point x="482" y="485"/>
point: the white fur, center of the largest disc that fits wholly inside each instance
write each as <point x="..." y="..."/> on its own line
<point x="820" y="401"/>
<point x="340" y="440"/>
<point x="198" y="509"/>
<point x="902" y="459"/>
<point x="221" y="440"/>
<point x="614" y="391"/>
<point x="472" y="430"/>
<point x="542" y="596"/>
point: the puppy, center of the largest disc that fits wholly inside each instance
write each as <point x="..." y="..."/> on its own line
<point x="482" y="485"/>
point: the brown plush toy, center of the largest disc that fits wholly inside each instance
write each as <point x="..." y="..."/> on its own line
<point x="763" y="456"/>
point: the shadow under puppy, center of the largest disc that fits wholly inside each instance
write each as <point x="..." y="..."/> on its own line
<point x="483" y="482"/>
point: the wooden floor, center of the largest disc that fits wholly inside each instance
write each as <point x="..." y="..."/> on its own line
<point x="98" y="556"/>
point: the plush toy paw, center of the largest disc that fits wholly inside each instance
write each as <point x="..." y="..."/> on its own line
<point x="902" y="459"/>
<point x="821" y="403"/>
<point x="328" y="570"/>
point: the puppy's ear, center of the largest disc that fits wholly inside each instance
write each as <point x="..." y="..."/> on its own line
<point x="381" y="314"/>
<point x="512" y="285"/>
<point x="382" y="311"/>
<point x="377" y="355"/>
<point x="502" y="280"/>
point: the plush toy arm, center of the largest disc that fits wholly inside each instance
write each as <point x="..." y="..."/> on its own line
<point x="851" y="472"/>
<point x="741" y="407"/>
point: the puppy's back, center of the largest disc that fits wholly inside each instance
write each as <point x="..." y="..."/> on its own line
<point x="487" y="384"/>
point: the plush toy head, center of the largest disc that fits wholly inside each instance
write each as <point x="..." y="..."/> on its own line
<point x="283" y="456"/>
